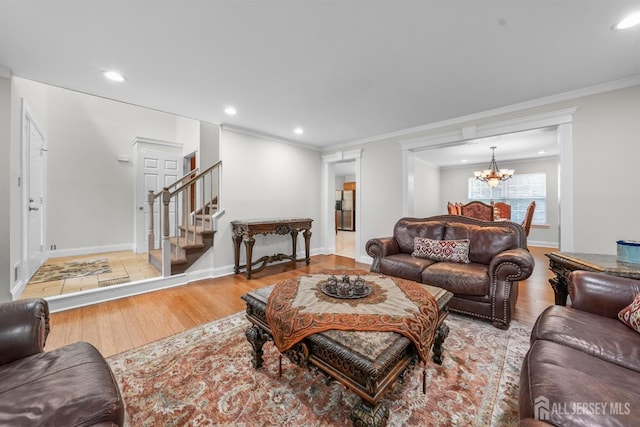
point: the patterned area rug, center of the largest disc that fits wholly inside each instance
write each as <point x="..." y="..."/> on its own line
<point x="71" y="269"/>
<point x="204" y="376"/>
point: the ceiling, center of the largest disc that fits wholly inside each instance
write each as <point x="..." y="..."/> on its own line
<point x="342" y="70"/>
<point x="527" y="145"/>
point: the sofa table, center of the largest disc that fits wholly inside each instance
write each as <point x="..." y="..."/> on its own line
<point x="244" y="230"/>
<point x="367" y="363"/>
<point x="563" y="263"/>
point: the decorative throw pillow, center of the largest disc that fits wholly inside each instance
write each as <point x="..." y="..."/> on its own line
<point x="630" y="315"/>
<point x="442" y="250"/>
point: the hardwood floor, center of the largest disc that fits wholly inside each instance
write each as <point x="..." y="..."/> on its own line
<point x="123" y="324"/>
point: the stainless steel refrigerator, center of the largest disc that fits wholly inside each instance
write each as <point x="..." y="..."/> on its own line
<point x="345" y="210"/>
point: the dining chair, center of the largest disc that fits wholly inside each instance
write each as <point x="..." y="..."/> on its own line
<point x="501" y="210"/>
<point x="478" y="210"/>
<point x="528" y="217"/>
<point x="452" y="209"/>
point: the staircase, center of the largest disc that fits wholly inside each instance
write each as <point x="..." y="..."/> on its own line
<point x="187" y="212"/>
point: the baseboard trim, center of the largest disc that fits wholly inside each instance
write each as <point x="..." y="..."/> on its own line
<point x="61" y="253"/>
<point x="543" y="244"/>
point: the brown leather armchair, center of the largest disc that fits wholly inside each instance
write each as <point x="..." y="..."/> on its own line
<point x="583" y="353"/>
<point x="69" y="386"/>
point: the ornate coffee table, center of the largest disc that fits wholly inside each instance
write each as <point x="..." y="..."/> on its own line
<point x="367" y="363"/>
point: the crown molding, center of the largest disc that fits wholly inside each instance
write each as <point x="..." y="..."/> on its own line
<point x="536" y="121"/>
<point x="258" y="134"/>
<point x="539" y="102"/>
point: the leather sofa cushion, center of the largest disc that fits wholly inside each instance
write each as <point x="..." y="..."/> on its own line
<point x="485" y="242"/>
<point x="404" y="266"/>
<point x="406" y="230"/>
<point x="567" y="377"/>
<point x="461" y="279"/>
<point x="36" y="390"/>
<point x="602" y="337"/>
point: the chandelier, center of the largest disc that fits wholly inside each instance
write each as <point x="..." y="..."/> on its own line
<point x="493" y="175"/>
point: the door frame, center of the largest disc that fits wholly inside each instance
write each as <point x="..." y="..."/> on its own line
<point x="562" y="119"/>
<point x="329" y="203"/>
<point x="25" y="140"/>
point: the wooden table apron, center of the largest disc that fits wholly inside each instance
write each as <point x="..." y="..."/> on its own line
<point x="244" y="230"/>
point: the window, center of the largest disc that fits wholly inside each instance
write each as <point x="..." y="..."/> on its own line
<point x="518" y="191"/>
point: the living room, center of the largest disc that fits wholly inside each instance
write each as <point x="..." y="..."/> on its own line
<point x="90" y="185"/>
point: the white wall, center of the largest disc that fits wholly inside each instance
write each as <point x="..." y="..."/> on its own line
<point x="606" y="137"/>
<point x="263" y="178"/>
<point x="6" y="269"/>
<point x="427" y="189"/>
<point x="380" y="190"/>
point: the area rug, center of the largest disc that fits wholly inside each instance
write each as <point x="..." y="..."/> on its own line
<point x="204" y="376"/>
<point x="71" y="269"/>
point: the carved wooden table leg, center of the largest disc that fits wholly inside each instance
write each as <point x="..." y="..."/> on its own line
<point x="249" y="241"/>
<point x="560" y="289"/>
<point x="294" y="242"/>
<point x="364" y="416"/>
<point x="237" y="239"/>
<point x="256" y="337"/>
<point x="307" y="241"/>
<point x="441" y="334"/>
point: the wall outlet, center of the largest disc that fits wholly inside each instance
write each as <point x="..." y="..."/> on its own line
<point x="16" y="272"/>
<point x="53" y="247"/>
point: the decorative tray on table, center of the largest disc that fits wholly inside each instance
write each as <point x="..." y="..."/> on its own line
<point x="346" y="288"/>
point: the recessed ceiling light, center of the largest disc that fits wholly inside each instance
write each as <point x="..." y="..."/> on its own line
<point x="230" y="111"/>
<point x="542" y="152"/>
<point x="464" y="160"/>
<point x="298" y="131"/>
<point x="114" y="75"/>
<point x="628" y="22"/>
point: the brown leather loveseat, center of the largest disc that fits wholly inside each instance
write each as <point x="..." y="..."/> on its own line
<point x="583" y="366"/>
<point x="485" y="287"/>
<point x="69" y="386"/>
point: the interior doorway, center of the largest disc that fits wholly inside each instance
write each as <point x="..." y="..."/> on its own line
<point x="33" y="193"/>
<point x="345" y="207"/>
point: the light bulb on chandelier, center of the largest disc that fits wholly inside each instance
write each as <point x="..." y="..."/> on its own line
<point x="493" y="175"/>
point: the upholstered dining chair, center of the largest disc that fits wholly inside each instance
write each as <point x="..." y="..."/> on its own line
<point x="502" y="210"/>
<point x="528" y="217"/>
<point x="478" y="210"/>
<point x="452" y="209"/>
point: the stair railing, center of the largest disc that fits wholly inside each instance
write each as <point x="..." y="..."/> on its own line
<point x="195" y="200"/>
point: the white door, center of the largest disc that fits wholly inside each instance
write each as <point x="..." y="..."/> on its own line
<point x="34" y="196"/>
<point x="155" y="170"/>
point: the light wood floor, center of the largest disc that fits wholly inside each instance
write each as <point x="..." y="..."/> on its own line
<point x="120" y="325"/>
<point x="346" y="243"/>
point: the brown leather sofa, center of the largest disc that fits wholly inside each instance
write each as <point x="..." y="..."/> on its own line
<point x="583" y="366"/>
<point x="69" y="386"/>
<point x="487" y="287"/>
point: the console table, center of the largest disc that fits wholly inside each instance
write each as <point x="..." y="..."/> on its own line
<point x="563" y="263"/>
<point x="244" y="230"/>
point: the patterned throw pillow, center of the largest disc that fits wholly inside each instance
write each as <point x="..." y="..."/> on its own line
<point x="630" y="315"/>
<point x="441" y="250"/>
